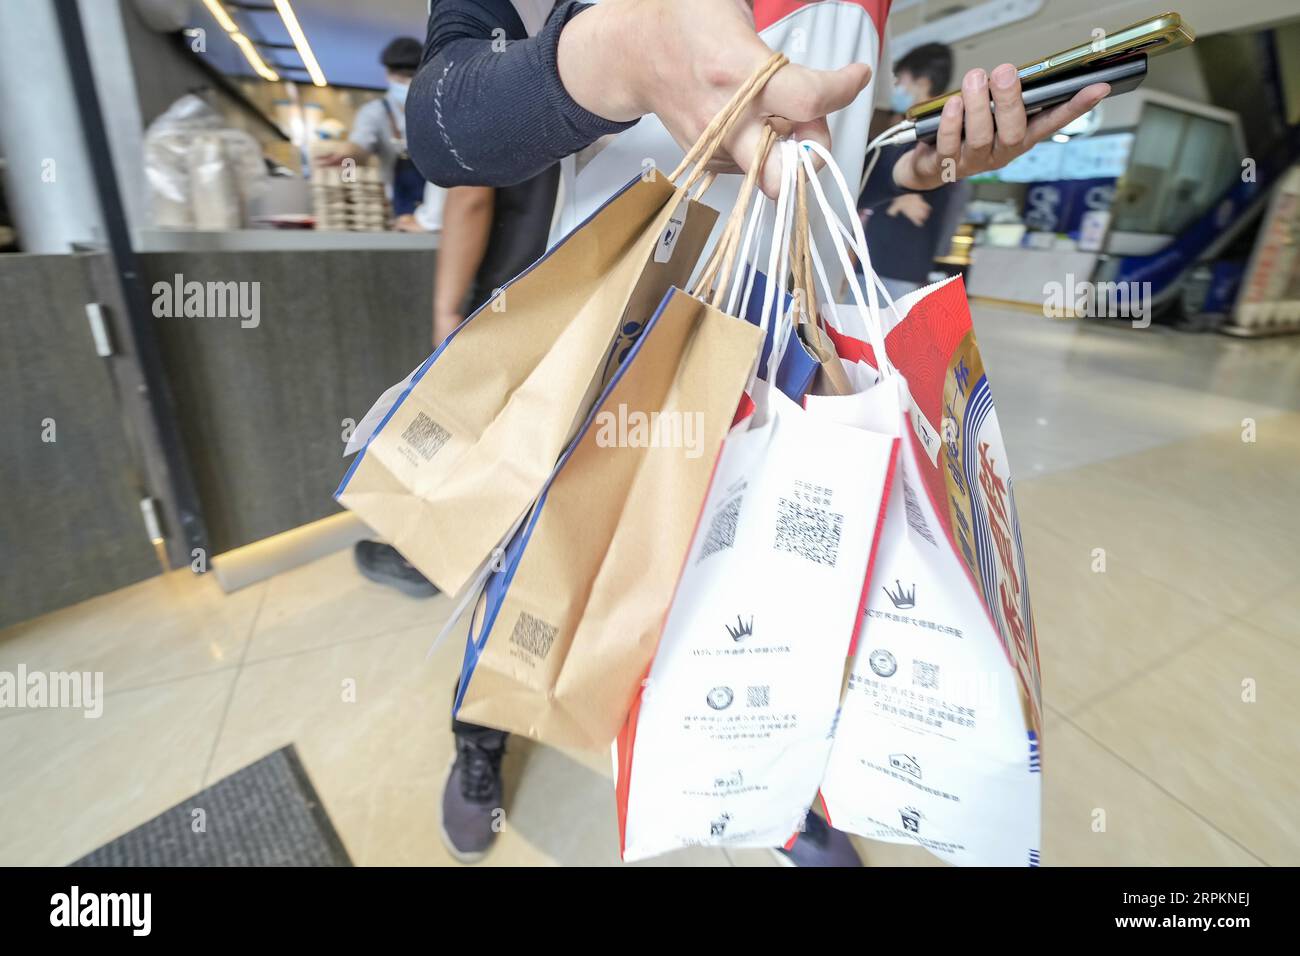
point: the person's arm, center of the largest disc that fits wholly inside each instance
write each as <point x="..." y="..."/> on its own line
<point x="881" y="186"/>
<point x="362" y="141"/>
<point x="487" y="107"/>
<point x="344" y="149"/>
<point x="486" y="112"/>
<point x="466" y="226"/>
<point x="969" y="142"/>
<point x="912" y="206"/>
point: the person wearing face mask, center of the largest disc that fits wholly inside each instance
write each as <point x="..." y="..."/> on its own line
<point x="380" y="130"/>
<point x="904" y="234"/>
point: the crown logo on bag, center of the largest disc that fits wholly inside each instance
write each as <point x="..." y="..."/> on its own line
<point x="904" y="599"/>
<point x="741" y="630"/>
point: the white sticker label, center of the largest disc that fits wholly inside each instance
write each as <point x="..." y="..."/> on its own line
<point x="668" y="241"/>
<point x="930" y="440"/>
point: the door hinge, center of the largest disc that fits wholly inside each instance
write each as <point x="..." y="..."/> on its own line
<point x="99" y="329"/>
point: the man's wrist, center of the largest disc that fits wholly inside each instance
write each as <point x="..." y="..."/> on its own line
<point x="904" y="176"/>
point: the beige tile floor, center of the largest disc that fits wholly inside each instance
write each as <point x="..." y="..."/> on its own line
<point x="1125" y="441"/>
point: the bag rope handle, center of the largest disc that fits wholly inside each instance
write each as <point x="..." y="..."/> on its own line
<point x="710" y="141"/>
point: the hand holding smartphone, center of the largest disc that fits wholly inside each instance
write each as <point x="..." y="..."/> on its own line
<point x="1122" y="77"/>
<point x="1153" y="36"/>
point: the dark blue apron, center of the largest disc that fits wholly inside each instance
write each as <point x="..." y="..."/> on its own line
<point x="408" y="184"/>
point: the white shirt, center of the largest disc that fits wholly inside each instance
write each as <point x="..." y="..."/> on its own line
<point x="533" y="13"/>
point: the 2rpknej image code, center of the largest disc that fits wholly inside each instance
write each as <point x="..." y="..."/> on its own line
<point x="425" y="435"/>
<point x="812" y="533"/>
<point x="533" y="634"/>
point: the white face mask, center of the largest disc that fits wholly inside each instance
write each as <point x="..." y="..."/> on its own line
<point x="901" y="100"/>
<point x="398" y="92"/>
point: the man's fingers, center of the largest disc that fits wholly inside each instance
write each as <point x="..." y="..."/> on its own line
<point x="979" y="117"/>
<point x="723" y="164"/>
<point x="795" y="102"/>
<point x="818" y="131"/>
<point x="947" y="143"/>
<point x="1049" y="121"/>
<point x="743" y="145"/>
<point x="1008" y="106"/>
<point x="801" y="94"/>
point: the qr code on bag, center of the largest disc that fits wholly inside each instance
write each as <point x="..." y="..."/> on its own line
<point x="925" y="675"/>
<point x="425" y="435"/>
<point x="812" y="533"/>
<point x="722" y="529"/>
<point x="533" y="635"/>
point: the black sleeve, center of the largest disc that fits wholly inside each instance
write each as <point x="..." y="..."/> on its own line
<point x="880" y="185"/>
<point x="487" y="107"/>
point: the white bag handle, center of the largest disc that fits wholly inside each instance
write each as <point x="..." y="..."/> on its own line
<point x="834" y="222"/>
<point x="825" y="282"/>
<point x="781" y="242"/>
<point x="776" y="260"/>
<point x="875" y="276"/>
<point x="745" y="259"/>
<point x="869" y="308"/>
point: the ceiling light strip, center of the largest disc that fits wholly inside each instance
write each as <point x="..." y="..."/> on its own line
<point x="300" y="41"/>
<point x="254" y="58"/>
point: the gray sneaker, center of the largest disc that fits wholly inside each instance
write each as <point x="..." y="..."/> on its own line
<point x="471" y="800"/>
<point x="820" y="845"/>
<point x="383" y="564"/>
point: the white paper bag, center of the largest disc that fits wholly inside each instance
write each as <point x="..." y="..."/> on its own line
<point x="730" y="736"/>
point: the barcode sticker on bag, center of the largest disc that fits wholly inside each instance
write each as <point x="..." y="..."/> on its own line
<point x="533" y="635"/>
<point x="425" y="435"/>
<point x="925" y="432"/>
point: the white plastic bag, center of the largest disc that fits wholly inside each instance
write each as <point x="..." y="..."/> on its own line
<point x="200" y="172"/>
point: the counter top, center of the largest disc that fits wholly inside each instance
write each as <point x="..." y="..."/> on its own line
<point x="279" y="240"/>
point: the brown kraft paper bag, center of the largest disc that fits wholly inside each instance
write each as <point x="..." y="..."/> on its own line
<point x="577" y="609"/>
<point x="465" y="451"/>
<point x="468" y="447"/>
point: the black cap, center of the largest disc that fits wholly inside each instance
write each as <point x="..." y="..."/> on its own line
<point x="402" y="55"/>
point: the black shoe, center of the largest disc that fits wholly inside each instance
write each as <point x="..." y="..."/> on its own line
<point x="382" y="564"/>
<point x="820" y="845"/>
<point x="472" y="814"/>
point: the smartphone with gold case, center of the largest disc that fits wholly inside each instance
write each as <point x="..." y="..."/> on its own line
<point x="1152" y="36"/>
